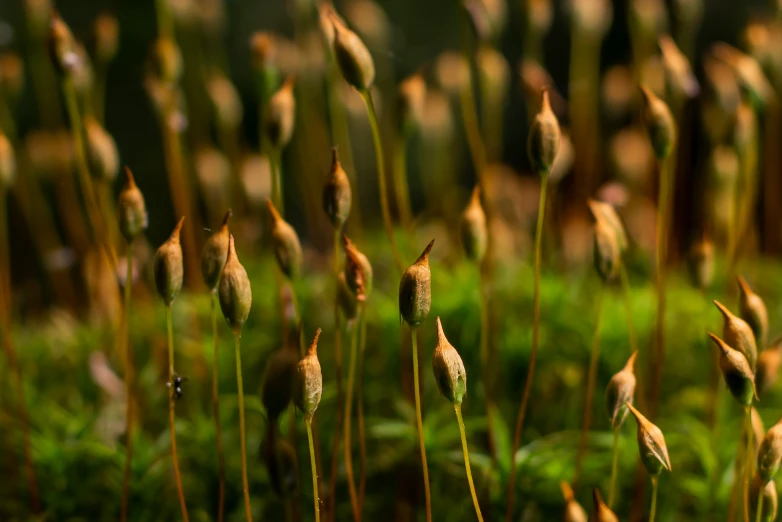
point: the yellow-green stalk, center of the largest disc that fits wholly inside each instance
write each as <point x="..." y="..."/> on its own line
<point x="542" y="149"/>
<point x="106" y="31"/>
<point x="279" y="119"/>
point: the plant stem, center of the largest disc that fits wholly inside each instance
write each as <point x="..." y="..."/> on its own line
<point x="614" y="469"/>
<point x="533" y="351"/>
<point x="362" y="478"/>
<point x="420" y="425"/>
<point x="274" y="160"/>
<point x="485" y="363"/>
<point x="381" y="177"/>
<point x="595" y="355"/>
<point x="240" y="390"/>
<point x="315" y="503"/>
<point x="171" y="414"/>
<point x="747" y="465"/>
<point x="660" y="258"/>
<point x="401" y="188"/>
<point x="216" y="411"/>
<point x="13" y="362"/>
<point x="759" y="512"/>
<point x="348" y="410"/>
<point x="340" y="411"/>
<point x="458" y="409"/>
<point x="128" y="388"/>
<point x="653" y="509"/>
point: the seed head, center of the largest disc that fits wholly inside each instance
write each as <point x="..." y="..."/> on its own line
<point x="767" y="370"/>
<point x="133" y="219"/>
<point x="358" y="270"/>
<point x="770" y="499"/>
<point x="573" y="510"/>
<point x="660" y="125"/>
<point x="226" y="102"/>
<point x="543" y="141"/>
<point x="106" y="37"/>
<point x="679" y="76"/>
<point x="234" y="290"/>
<point x="337" y="196"/>
<point x="167" y="267"/>
<point x="606" y="213"/>
<point x="263" y="49"/>
<point x="478" y="19"/>
<point x="651" y="444"/>
<point x="101" y="150"/>
<point x="601" y="512"/>
<point x="770" y="453"/>
<point x="415" y="290"/>
<point x="308" y="380"/>
<point x="281" y="463"/>
<point x="701" y="263"/>
<point x="473" y="228"/>
<point x="167" y="61"/>
<point x="753" y="311"/>
<point x="724" y="166"/>
<point x="737" y="373"/>
<point x="620" y="391"/>
<point x="287" y="248"/>
<point x="606" y="251"/>
<point x="748" y="72"/>
<point x="449" y="372"/>
<point x="280" y="115"/>
<point x="215" y="254"/>
<point x="493" y="75"/>
<point x="411" y="102"/>
<point x="738" y="335"/>
<point x="7" y="162"/>
<point x="276" y="390"/>
<point x="62" y="46"/>
<point x="745" y="127"/>
<point x="352" y="55"/>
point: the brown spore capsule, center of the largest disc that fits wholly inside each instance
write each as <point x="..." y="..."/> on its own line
<point x="738" y="375"/>
<point x="738" y="335"/>
<point x="415" y="290"/>
<point x="167" y="267"/>
<point x="133" y="219"/>
<point x="700" y="263"/>
<point x="605" y="251"/>
<point x="280" y="116"/>
<point x="544" y="136"/>
<point x="234" y="290"/>
<point x="337" y="195"/>
<point x="276" y="390"/>
<point x="770" y="499"/>
<point x="753" y="310"/>
<point x="286" y="245"/>
<point x="308" y="380"/>
<point x="770" y="453"/>
<point x="167" y="63"/>
<point x="215" y="254"/>
<point x="620" y="392"/>
<point x="355" y="61"/>
<point x="607" y="213"/>
<point x="62" y="47"/>
<point x="449" y="372"/>
<point x="600" y="511"/>
<point x="411" y="102"/>
<point x="358" y="270"/>
<point x="473" y="229"/>
<point x="651" y="444"/>
<point x="101" y="150"/>
<point x="659" y="122"/>
<point x="106" y="37"/>
<point x="573" y="510"/>
<point x="7" y="162"/>
<point x="767" y="371"/>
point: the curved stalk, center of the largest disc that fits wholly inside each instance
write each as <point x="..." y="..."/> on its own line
<point x="171" y="415"/>
<point x="348" y="419"/>
<point x="759" y="512"/>
<point x="316" y="504"/>
<point x="242" y="436"/>
<point x="748" y="464"/>
<point x="614" y="469"/>
<point x="533" y="351"/>
<point x="653" y="509"/>
<point x="128" y="388"/>
<point x="592" y="375"/>
<point x="274" y="160"/>
<point x="362" y="474"/>
<point x="401" y="188"/>
<point x="458" y="409"/>
<point x="381" y="177"/>
<point x="484" y="353"/>
<point x="340" y="410"/>
<point x="216" y="412"/>
<point x="420" y="426"/>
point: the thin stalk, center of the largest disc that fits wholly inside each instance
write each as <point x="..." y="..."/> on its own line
<point x="362" y="474"/>
<point x="171" y="415"/>
<point x="348" y="419"/>
<point x="128" y="386"/>
<point x="340" y="411"/>
<point x="485" y="364"/>
<point x="592" y="375"/>
<point x="13" y="362"/>
<point x="99" y="94"/>
<point x="473" y="132"/>
<point x="420" y="426"/>
<point x="216" y="411"/>
<point x="614" y="469"/>
<point x="748" y="464"/>
<point x="274" y="160"/>
<point x="660" y="257"/>
<point x="759" y="511"/>
<point x="458" y="409"/>
<point x="106" y="207"/>
<point x="624" y="280"/>
<point x="315" y="503"/>
<point x="165" y="23"/>
<point x="533" y="352"/>
<point x="401" y="188"/>
<point x="653" y="508"/>
<point x="381" y="177"/>
<point x="240" y="390"/>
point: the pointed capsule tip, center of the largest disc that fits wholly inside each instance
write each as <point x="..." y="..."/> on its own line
<point x="567" y="491"/>
<point x="440" y="332"/>
<point x="227" y="217"/>
<point x="723" y="309"/>
<point x="476" y="195"/>
<point x="744" y="287"/>
<point x="424" y="257"/>
<point x="545" y="103"/>
<point x="597" y="498"/>
<point x="630" y="365"/>
<point x="722" y="345"/>
<point x="231" y="247"/>
<point x="313" y="349"/>
<point x="130" y="181"/>
<point x="273" y="211"/>
<point x="178" y="229"/>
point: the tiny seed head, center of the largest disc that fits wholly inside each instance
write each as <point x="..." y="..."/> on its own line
<point x="415" y="290"/>
<point x="620" y="392"/>
<point x="167" y="267"/>
<point x="308" y="382"/>
<point x="7" y="162"/>
<point x="449" y="372"/>
<point x="234" y="290"/>
<point x="607" y="213"/>
<point x="606" y="251"/>
<point x="280" y="116"/>
<point x="738" y="335"/>
<point x="770" y="499"/>
<point x="106" y="37"/>
<point x="215" y="254"/>
<point x="411" y="102"/>
<point x="285" y="241"/>
<point x="753" y="310"/>
<point x="737" y="372"/>
<point x="133" y="219"/>
<point x="770" y="453"/>
<point x="337" y="195"/>
<point x="601" y="512"/>
<point x="358" y="270"/>
<point x="701" y="263"/>
<point x="573" y="510"/>
<point x="544" y="137"/>
<point x="659" y="123"/>
<point x="651" y="444"/>
<point x="352" y="55"/>
<point x="473" y="228"/>
<point x="767" y="371"/>
<point x="276" y="390"/>
<point x="62" y="46"/>
<point x="101" y="150"/>
<point x="167" y="63"/>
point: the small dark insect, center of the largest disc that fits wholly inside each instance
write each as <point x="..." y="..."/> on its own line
<point x="178" y="381"/>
